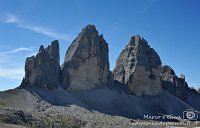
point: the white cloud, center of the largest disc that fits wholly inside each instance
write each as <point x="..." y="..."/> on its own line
<point x="16" y="50"/>
<point x="12" y="63"/>
<point x="12" y="73"/>
<point x="47" y="32"/>
<point x="21" y="49"/>
<point x="10" y="18"/>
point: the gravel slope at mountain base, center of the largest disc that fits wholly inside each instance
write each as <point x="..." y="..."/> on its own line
<point x="96" y="108"/>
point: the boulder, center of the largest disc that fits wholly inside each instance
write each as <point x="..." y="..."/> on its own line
<point x="138" y="67"/>
<point x="86" y="64"/>
<point x="43" y="70"/>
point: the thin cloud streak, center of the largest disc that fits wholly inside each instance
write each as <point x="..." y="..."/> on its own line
<point x="12" y="19"/>
<point x="9" y="18"/>
<point x="16" y="50"/>
<point x="12" y="63"/>
<point x="12" y="73"/>
<point x="47" y="32"/>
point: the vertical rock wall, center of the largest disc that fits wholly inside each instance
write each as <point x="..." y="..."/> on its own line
<point x="43" y="70"/>
<point x="138" y="67"/>
<point x="86" y="63"/>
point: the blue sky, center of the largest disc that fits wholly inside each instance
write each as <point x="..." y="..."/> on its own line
<point x="172" y="28"/>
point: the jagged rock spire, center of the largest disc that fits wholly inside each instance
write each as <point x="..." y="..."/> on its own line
<point x="86" y="64"/>
<point x="138" y="67"/>
<point x="43" y="70"/>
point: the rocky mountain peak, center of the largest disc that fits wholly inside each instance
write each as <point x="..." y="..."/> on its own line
<point x="86" y="63"/>
<point x="89" y="29"/>
<point x="88" y="32"/>
<point x="138" y="67"/>
<point x="88" y="38"/>
<point x="135" y="40"/>
<point x="43" y="70"/>
<point x="41" y="49"/>
<point x="54" y="51"/>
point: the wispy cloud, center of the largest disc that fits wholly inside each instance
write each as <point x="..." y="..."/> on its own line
<point x="21" y="49"/>
<point x="12" y="19"/>
<point x="17" y="50"/>
<point x="12" y="62"/>
<point x="12" y="73"/>
<point x="47" y="32"/>
<point x="9" y="18"/>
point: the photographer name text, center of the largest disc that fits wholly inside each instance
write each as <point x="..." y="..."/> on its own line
<point x="163" y="117"/>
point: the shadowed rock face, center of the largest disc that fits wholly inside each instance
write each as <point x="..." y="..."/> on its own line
<point x="175" y="85"/>
<point x="43" y="70"/>
<point x="86" y="63"/>
<point x="138" y="66"/>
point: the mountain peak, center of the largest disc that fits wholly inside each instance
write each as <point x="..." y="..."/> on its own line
<point x="43" y="70"/>
<point x="55" y="43"/>
<point x="137" y="40"/>
<point x="87" y="53"/>
<point x="89" y="29"/>
<point x="138" y="67"/>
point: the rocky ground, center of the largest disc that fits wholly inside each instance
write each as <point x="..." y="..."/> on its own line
<point x="21" y="108"/>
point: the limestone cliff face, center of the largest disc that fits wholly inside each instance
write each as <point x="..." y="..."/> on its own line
<point x="138" y="67"/>
<point x="174" y="84"/>
<point x="43" y="70"/>
<point x="86" y="64"/>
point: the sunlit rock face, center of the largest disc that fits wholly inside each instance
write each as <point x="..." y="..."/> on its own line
<point x="43" y="70"/>
<point x="138" y="67"/>
<point x="86" y="64"/>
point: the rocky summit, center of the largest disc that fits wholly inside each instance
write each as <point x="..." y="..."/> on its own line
<point x="43" y="70"/>
<point x="86" y="64"/>
<point x="138" y="67"/>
